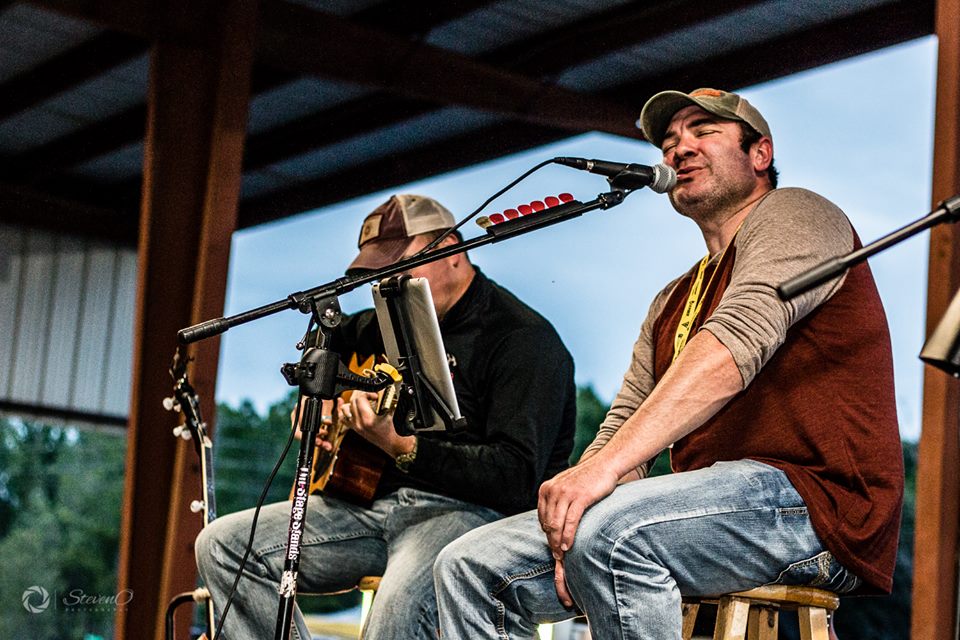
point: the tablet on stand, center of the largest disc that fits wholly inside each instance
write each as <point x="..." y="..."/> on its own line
<point x="411" y="337"/>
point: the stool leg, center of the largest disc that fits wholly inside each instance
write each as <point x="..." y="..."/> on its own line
<point x="813" y="623"/>
<point x="732" y="617"/>
<point x="763" y="623"/>
<point x="690" y="610"/>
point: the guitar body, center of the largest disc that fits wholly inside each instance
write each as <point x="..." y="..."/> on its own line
<point x="352" y="470"/>
<point x="357" y="470"/>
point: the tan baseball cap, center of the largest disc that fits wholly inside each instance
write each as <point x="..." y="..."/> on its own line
<point x="660" y="109"/>
<point x="390" y="228"/>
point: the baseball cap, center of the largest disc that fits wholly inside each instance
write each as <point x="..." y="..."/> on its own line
<point x="660" y="109"/>
<point x="390" y="228"/>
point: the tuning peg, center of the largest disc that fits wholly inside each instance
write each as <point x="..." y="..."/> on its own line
<point x="196" y="506"/>
<point x="171" y="404"/>
<point x="182" y="432"/>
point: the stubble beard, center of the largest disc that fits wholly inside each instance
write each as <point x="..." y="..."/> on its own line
<point x="720" y="197"/>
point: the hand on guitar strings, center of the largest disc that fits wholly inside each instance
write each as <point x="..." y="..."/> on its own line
<point x="326" y="422"/>
<point x="360" y="416"/>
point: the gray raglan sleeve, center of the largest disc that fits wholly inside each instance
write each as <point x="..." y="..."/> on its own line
<point x="789" y="232"/>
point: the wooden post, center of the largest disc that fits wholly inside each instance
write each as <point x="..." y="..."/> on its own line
<point x="938" y="477"/>
<point x="197" y="114"/>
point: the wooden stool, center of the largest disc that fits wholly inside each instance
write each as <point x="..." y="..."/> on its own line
<point x="369" y="583"/>
<point x="754" y="614"/>
<point x="368" y="586"/>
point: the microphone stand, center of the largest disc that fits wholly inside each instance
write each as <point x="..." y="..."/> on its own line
<point x="318" y="376"/>
<point x="946" y="211"/>
<point x="302" y="300"/>
<point x="942" y="348"/>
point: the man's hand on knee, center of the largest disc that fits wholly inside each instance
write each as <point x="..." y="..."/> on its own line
<point x="565" y="497"/>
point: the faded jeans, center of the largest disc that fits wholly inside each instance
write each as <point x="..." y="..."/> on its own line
<point x="398" y="537"/>
<point x="730" y="527"/>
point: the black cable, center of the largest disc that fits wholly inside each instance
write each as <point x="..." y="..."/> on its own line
<point x="469" y="217"/>
<point x="253" y="525"/>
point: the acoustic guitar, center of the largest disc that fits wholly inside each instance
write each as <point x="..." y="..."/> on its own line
<point x="352" y="469"/>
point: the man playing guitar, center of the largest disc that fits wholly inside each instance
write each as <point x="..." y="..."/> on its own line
<point x="514" y="384"/>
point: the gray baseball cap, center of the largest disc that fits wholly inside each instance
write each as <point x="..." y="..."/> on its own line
<point x="661" y="108"/>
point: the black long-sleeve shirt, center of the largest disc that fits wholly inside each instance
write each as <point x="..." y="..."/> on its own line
<point x="514" y="383"/>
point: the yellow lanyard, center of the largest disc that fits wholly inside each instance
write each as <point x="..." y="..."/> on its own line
<point x="694" y="302"/>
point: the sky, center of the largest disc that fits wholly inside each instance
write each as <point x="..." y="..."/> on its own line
<point x="859" y="132"/>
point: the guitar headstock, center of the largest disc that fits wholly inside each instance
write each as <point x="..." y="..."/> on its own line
<point x="186" y="401"/>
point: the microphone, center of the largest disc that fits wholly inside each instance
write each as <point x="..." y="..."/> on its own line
<point x="659" y="177"/>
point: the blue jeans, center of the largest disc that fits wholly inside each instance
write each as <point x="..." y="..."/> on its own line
<point x="730" y="527"/>
<point x="398" y="537"/>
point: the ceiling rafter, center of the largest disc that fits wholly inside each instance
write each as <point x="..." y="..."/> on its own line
<point x="554" y="49"/>
<point x="603" y="33"/>
<point x="99" y="138"/>
<point x="127" y="127"/>
<point x="624" y="26"/>
<point x="453" y="153"/>
<point x="883" y="26"/>
<point x="895" y="22"/>
<point x="146" y="19"/>
<point x="414" y="18"/>
<point x="306" y="41"/>
<point x="67" y="70"/>
<point x="311" y="42"/>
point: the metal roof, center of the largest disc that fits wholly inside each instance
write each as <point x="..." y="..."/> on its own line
<point x="325" y="126"/>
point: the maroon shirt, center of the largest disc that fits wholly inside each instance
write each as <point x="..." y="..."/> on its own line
<point x="821" y="409"/>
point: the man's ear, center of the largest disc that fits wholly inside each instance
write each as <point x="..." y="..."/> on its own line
<point x="762" y="154"/>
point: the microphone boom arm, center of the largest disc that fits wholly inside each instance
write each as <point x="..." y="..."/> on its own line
<point x="947" y="211"/>
<point x="303" y="300"/>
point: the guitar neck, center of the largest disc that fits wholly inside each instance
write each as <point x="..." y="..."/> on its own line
<point x="206" y="478"/>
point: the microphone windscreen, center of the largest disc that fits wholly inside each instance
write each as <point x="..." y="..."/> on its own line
<point x="664" y="178"/>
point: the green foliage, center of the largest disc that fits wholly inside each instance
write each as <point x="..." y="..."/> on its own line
<point x="247" y="446"/>
<point x="60" y="491"/>
<point x="590" y="414"/>
<point x="246" y="449"/>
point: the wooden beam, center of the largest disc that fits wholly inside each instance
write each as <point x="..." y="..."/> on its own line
<point x="887" y="25"/>
<point x="600" y="34"/>
<point x="884" y="26"/>
<point x="463" y="150"/>
<point x="414" y="19"/>
<point x="145" y="19"/>
<point x="542" y="53"/>
<point x="102" y="137"/>
<point x="938" y="476"/>
<point x="192" y="168"/>
<point x="67" y="71"/>
<point x="310" y="42"/>
<point x="27" y="207"/>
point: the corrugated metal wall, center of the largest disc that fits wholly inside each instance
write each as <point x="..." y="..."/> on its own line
<point x="66" y="326"/>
